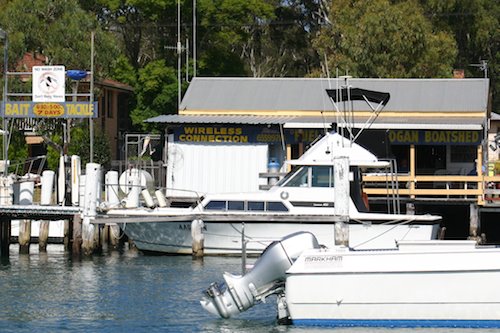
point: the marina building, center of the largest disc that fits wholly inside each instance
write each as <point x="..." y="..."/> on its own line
<point x="229" y="131"/>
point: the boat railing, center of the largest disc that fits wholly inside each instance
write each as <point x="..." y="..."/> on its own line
<point x="32" y="166"/>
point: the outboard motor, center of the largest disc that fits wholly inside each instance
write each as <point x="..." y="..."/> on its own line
<point x="267" y="277"/>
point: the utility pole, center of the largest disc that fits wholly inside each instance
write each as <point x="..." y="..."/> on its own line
<point x="3" y="35"/>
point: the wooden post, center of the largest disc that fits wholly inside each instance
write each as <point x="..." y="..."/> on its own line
<point x="4" y="237"/>
<point x="23" y="195"/>
<point x="198" y="238"/>
<point x="43" y="236"/>
<point x="474" y="224"/>
<point x="97" y="240"/>
<point x="67" y="234"/>
<point x="77" y="235"/>
<point x="342" y="199"/>
<point x="114" y="236"/>
<point x="413" y="171"/>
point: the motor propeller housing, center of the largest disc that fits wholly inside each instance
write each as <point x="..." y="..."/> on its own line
<point x="267" y="277"/>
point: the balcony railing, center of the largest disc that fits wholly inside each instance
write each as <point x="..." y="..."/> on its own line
<point x="484" y="189"/>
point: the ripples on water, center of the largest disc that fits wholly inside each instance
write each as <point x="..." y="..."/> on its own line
<point x="127" y="292"/>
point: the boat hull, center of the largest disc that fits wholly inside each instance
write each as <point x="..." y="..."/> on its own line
<point x="225" y="238"/>
<point x="451" y="288"/>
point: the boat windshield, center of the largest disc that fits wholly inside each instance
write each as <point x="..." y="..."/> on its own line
<point x="309" y="176"/>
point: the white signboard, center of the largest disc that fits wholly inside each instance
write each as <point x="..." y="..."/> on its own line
<point x="48" y="84"/>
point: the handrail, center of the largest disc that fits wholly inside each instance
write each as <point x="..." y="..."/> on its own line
<point x="482" y="188"/>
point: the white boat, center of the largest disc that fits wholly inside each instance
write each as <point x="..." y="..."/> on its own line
<point x="420" y="283"/>
<point x="304" y="200"/>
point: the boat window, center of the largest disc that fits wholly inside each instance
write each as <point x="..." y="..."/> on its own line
<point x="235" y="205"/>
<point x="299" y="179"/>
<point x="322" y="176"/>
<point x="276" y="206"/>
<point x="216" y="205"/>
<point x="256" y="205"/>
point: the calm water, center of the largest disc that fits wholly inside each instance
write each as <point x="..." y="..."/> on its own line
<point x="127" y="292"/>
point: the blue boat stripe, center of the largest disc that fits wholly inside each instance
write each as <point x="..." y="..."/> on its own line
<point x="397" y="323"/>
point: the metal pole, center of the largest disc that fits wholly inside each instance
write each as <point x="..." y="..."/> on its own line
<point x="91" y="120"/>
<point x="194" y="38"/>
<point x="3" y="35"/>
<point x="179" y="49"/>
<point x="243" y="250"/>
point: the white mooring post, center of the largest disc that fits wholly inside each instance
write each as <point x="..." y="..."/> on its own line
<point x="5" y="199"/>
<point x="342" y="199"/>
<point x="198" y="238"/>
<point x="92" y="178"/>
<point x="112" y="200"/>
<point x="61" y="181"/>
<point x="48" y="178"/>
<point x="76" y="172"/>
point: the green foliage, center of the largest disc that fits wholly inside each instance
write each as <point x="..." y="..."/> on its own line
<point x="381" y="39"/>
<point x="59" y="30"/>
<point x="123" y="71"/>
<point x="80" y="145"/>
<point x="475" y="25"/>
<point x="52" y="153"/>
<point x="156" y="93"/>
<point x="17" y="151"/>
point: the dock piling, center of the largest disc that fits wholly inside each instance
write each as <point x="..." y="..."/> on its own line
<point x="23" y="195"/>
<point x="92" y="191"/>
<point x="198" y="238"/>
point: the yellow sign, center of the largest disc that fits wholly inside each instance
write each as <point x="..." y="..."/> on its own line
<point x="434" y="137"/>
<point x="23" y="109"/>
<point x="48" y="110"/>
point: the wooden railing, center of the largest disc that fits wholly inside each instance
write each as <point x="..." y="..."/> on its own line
<point x="484" y="189"/>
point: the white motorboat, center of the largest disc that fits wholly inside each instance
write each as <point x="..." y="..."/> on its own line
<point x="420" y="283"/>
<point x="304" y="200"/>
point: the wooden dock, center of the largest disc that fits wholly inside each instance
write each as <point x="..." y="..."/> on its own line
<point x="31" y="212"/>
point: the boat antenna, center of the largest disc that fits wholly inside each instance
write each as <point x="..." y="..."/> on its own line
<point x="322" y="89"/>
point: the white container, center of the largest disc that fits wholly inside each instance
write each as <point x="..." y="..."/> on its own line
<point x="148" y="199"/>
<point x="47" y="187"/>
<point x="111" y="192"/>
<point x="162" y="200"/>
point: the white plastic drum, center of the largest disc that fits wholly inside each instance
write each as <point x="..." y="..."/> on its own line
<point x="127" y="177"/>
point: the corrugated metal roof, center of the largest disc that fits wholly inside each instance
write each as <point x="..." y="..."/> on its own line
<point x="220" y="119"/>
<point x="308" y="94"/>
<point x="465" y="123"/>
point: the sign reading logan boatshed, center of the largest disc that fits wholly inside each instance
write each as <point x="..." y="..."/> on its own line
<point x="434" y="137"/>
<point x="48" y="84"/>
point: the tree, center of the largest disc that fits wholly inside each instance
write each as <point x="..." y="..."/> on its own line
<point x="232" y="29"/>
<point x="383" y="39"/>
<point x="156" y="93"/>
<point x="476" y="27"/>
<point x="60" y="31"/>
<point x="81" y="146"/>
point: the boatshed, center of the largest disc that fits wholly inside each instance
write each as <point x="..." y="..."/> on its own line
<point x="430" y="126"/>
